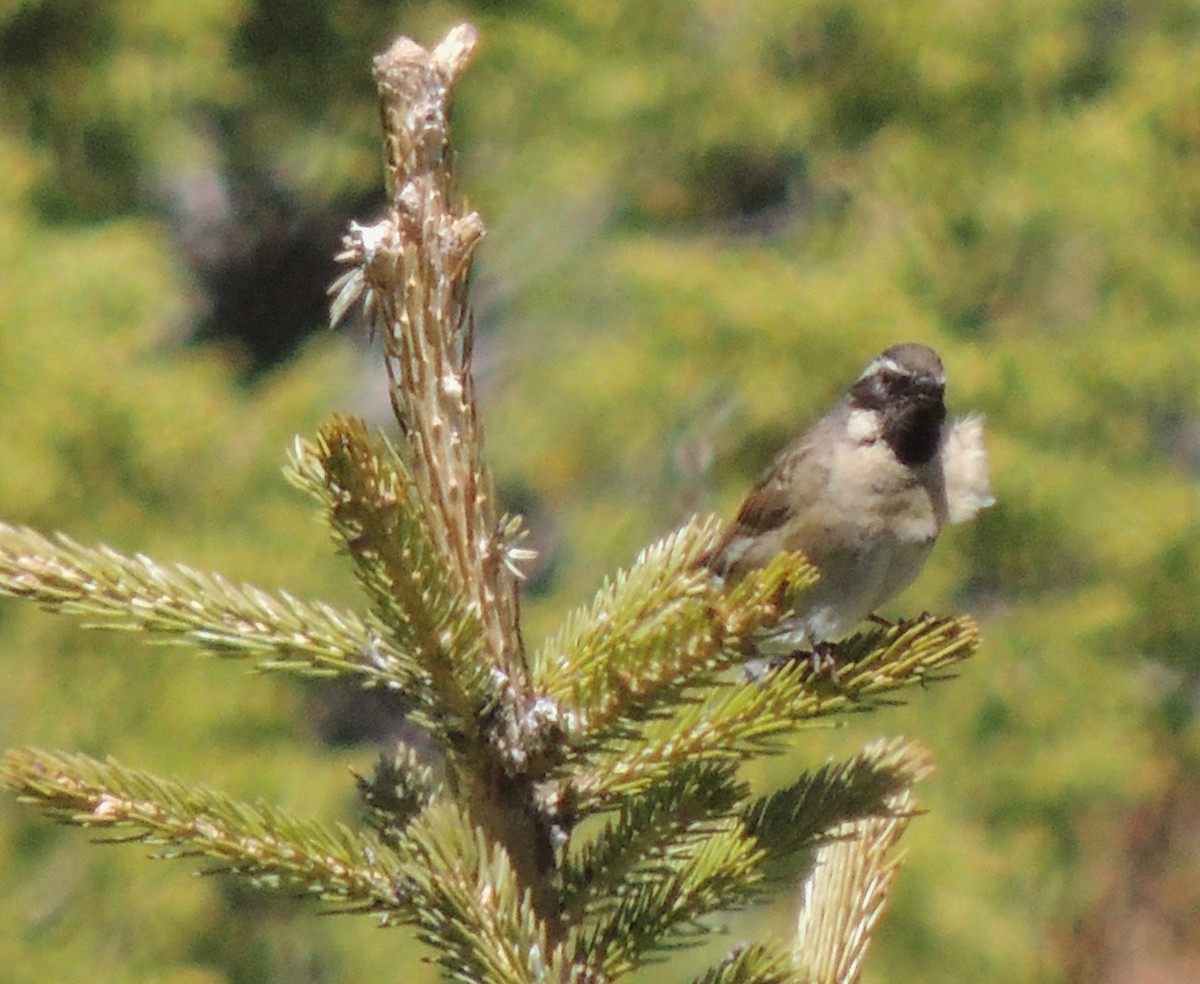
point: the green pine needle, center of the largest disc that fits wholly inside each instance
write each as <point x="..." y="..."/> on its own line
<point x="721" y="873"/>
<point x="844" y="894"/>
<point x="374" y="510"/>
<point x="116" y="591"/>
<point x="799" y="816"/>
<point x="656" y="635"/>
<point x="668" y="821"/>
<point x="378" y="519"/>
<point x="470" y="907"/>
<point x="741" y="717"/>
<point x="260" y="843"/>
<point x="400" y="787"/>
<point x="755" y="963"/>
<point x="646" y="628"/>
<point x="919" y="651"/>
<point x="763" y="597"/>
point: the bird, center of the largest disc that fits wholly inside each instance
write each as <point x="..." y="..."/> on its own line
<point x="863" y="494"/>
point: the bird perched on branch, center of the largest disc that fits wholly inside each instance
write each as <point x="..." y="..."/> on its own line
<point x="863" y="494"/>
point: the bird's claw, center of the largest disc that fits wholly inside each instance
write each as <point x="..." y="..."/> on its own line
<point x="821" y="659"/>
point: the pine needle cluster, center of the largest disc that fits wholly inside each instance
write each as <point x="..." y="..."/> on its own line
<point x="633" y="715"/>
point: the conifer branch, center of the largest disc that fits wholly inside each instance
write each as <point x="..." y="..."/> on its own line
<point x="471" y="908"/>
<point x="649" y="629"/>
<point x="762" y="597"/>
<point x="754" y="963"/>
<point x="594" y="648"/>
<point x="400" y="788"/>
<point x="914" y="651"/>
<point x="116" y="591"/>
<point x="411" y="270"/>
<point x="799" y="816"/>
<point x="669" y="819"/>
<point x="844" y="895"/>
<point x="374" y="510"/>
<point x="263" y="844"/>
<point x="721" y="872"/>
<point x="656" y="635"/>
<point x="741" y="717"/>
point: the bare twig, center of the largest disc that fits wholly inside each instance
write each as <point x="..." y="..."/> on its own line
<point x="412" y="270"/>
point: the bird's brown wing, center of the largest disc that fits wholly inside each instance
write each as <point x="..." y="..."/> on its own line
<point x="761" y="528"/>
<point x="768" y="505"/>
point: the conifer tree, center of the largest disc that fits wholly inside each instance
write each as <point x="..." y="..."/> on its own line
<point x="634" y="712"/>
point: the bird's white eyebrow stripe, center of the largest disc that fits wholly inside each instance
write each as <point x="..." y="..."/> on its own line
<point x="886" y="362"/>
<point x="882" y="363"/>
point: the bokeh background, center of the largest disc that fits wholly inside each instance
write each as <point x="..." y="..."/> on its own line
<point x="704" y="218"/>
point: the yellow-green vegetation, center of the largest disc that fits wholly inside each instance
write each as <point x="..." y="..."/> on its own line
<point x="702" y="218"/>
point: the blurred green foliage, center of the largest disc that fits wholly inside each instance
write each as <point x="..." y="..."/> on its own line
<point x="704" y="218"/>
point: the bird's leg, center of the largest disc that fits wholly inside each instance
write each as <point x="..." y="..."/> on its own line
<point x="753" y="670"/>
<point x="822" y="662"/>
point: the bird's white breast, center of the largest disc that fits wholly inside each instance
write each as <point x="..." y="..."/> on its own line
<point x="863" y="426"/>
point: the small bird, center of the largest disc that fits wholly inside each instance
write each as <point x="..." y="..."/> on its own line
<point x="863" y="494"/>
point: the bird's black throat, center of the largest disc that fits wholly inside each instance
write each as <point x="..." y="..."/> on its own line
<point x="913" y="429"/>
